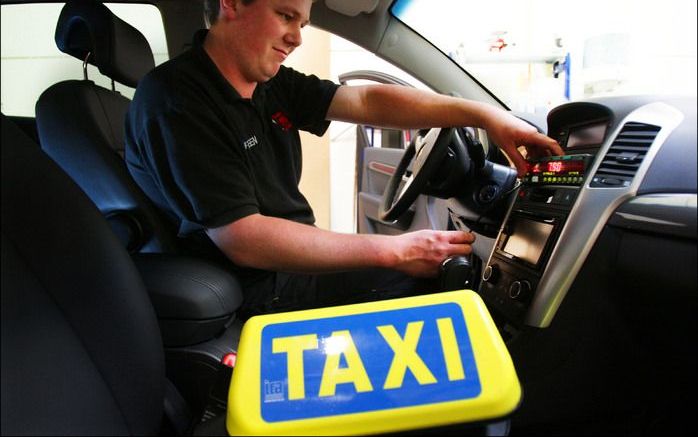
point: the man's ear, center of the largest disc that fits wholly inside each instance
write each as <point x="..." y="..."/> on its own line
<point x="229" y="7"/>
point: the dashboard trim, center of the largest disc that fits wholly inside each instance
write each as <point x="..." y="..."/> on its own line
<point x="590" y="213"/>
<point x="668" y="214"/>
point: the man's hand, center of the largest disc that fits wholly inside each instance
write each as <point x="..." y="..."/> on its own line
<point x="420" y="253"/>
<point x="510" y="133"/>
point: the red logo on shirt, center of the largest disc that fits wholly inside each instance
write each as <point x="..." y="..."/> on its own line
<point x="282" y="120"/>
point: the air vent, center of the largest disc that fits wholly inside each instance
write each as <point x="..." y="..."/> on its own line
<point x="625" y="155"/>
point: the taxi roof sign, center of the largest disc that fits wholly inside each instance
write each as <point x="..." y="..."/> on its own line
<point x="384" y="366"/>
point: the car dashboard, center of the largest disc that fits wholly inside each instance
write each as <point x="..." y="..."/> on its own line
<point x="629" y="161"/>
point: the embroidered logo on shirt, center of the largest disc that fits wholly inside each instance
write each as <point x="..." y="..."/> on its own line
<point x="282" y="120"/>
<point x="250" y="142"/>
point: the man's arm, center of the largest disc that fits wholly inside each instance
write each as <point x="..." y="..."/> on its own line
<point x="409" y="108"/>
<point x="276" y="244"/>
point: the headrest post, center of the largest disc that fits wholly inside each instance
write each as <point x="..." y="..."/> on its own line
<point x="84" y="65"/>
<point x="113" y="87"/>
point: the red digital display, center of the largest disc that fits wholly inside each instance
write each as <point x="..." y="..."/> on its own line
<point x="557" y="168"/>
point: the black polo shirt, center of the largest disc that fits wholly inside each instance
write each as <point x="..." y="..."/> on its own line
<point x="207" y="157"/>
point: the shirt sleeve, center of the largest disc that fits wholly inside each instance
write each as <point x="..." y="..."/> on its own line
<point x="306" y="97"/>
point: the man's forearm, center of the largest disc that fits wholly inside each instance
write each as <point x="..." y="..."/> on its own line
<point x="409" y="108"/>
<point x="405" y="108"/>
<point x="276" y="244"/>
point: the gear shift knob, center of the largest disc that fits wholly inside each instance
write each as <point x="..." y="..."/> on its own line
<point x="456" y="273"/>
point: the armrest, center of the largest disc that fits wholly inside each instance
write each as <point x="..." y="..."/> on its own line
<point x="193" y="299"/>
<point x="182" y="287"/>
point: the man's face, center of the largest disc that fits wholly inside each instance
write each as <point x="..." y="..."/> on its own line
<point x="267" y="31"/>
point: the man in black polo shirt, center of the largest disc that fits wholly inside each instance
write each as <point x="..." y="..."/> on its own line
<point x="212" y="138"/>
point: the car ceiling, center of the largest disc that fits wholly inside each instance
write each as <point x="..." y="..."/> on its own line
<point x="376" y="32"/>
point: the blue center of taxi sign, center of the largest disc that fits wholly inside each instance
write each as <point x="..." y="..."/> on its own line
<point x="366" y="362"/>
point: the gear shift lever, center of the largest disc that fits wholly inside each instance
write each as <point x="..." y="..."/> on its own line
<point x="456" y="273"/>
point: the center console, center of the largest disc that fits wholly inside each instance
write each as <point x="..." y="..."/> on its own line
<point x="564" y="202"/>
<point x="523" y="247"/>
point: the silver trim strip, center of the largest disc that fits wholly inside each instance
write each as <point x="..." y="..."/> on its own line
<point x="670" y="214"/>
<point x="376" y="76"/>
<point x="593" y="208"/>
<point x="647" y="220"/>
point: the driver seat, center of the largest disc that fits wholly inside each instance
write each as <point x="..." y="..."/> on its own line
<point x="81" y="124"/>
<point x="81" y="127"/>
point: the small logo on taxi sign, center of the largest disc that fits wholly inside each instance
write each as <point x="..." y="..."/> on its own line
<point x="366" y="362"/>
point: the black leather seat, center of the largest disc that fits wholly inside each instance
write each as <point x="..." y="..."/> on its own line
<point x="81" y="347"/>
<point x="81" y="124"/>
<point x="81" y="127"/>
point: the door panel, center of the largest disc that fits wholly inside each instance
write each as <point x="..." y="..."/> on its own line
<point x="379" y="164"/>
<point x="378" y="153"/>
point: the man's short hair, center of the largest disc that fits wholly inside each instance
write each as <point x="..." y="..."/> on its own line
<point x="212" y="8"/>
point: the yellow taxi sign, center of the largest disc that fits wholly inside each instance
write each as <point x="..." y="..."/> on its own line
<point x="383" y="366"/>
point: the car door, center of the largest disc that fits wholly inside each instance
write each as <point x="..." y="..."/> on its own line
<point x="378" y="153"/>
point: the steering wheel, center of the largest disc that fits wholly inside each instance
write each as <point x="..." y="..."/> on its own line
<point x="450" y="163"/>
<point x="424" y="154"/>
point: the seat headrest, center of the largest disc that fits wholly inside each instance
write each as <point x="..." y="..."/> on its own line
<point x="117" y="49"/>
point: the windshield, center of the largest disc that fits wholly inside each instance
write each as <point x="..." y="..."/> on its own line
<point x="536" y="54"/>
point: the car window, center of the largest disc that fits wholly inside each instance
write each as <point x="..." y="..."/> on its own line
<point x="536" y="54"/>
<point x="31" y="62"/>
<point x="347" y="57"/>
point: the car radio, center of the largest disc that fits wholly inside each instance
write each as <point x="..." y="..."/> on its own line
<point x="557" y="170"/>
